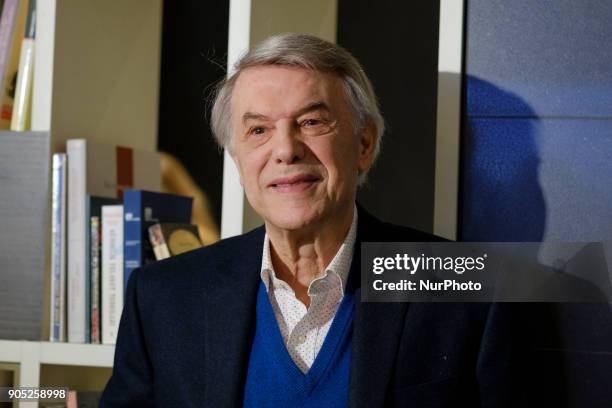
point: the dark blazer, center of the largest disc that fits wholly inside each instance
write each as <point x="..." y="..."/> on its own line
<point x="188" y="322"/>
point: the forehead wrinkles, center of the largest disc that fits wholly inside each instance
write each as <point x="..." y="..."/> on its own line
<point x="281" y="94"/>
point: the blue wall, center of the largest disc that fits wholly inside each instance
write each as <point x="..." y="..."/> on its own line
<point x="537" y="165"/>
<point x="537" y="140"/>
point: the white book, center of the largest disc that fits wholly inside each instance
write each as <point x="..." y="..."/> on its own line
<point x="58" y="249"/>
<point x="76" y="241"/>
<point x="112" y="271"/>
<point x="104" y="171"/>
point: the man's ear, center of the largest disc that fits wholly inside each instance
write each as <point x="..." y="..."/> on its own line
<point x="367" y="146"/>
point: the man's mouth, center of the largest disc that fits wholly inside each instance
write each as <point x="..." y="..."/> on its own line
<point x="295" y="183"/>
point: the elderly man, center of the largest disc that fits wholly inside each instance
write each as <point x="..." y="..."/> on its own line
<point x="273" y="318"/>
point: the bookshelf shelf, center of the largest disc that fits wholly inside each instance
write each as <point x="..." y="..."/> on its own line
<point x="84" y="355"/>
<point x="28" y="357"/>
<point x="10" y="351"/>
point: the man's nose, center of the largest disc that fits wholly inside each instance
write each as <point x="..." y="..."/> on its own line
<point x="288" y="144"/>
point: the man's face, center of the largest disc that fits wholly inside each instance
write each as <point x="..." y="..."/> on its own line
<point x="295" y="145"/>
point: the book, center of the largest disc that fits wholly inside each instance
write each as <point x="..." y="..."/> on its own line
<point x="58" y="249"/>
<point x="11" y="63"/>
<point x="72" y="401"/>
<point x="103" y="171"/>
<point x="92" y="282"/>
<point x="20" y="118"/>
<point x="25" y="188"/>
<point x="10" y="9"/>
<point x="173" y="239"/>
<point x="95" y="279"/>
<point x="143" y="209"/>
<point x="112" y="271"/>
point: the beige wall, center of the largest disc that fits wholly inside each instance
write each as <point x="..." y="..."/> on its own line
<point x="317" y="17"/>
<point x="106" y="71"/>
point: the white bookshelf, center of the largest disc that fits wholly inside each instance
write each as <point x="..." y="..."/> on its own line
<point x="10" y="351"/>
<point x="35" y="353"/>
<point x="96" y="76"/>
<point x="82" y="355"/>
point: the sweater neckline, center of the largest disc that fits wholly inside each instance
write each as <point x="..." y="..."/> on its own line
<point x="340" y="328"/>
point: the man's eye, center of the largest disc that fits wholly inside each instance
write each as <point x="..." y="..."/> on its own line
<point x="311" y="122"/>
<point x="257" y="130"/>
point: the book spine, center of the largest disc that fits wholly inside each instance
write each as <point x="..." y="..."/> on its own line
<point x="7" y="24"/>
<point x="23" y="88"/>
<point x="12" y="66"/>
<point x="58" y="248"/>
<point x="87" y="262"/>
<point x="132" y="200"/>
<point x="158" y="242"/>
<point x="161" y="251"/>
<point x="112" y="271"/>
<point x="20" y="118"/>
<point x="71" y="400"/>
<point x="77" y="176"/>
<point x="95" y="279"/>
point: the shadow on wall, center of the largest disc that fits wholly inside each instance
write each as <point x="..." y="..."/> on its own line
<point x="567" y="357"/>
<point x="502" y="199"/>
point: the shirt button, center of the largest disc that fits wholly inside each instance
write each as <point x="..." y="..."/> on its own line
<point x="300" y="339"/>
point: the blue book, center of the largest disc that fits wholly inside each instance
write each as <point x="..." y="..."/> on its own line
<point x="141" y="210"/>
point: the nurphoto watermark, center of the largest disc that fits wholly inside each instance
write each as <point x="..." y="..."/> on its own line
<point x="486" y="272"/>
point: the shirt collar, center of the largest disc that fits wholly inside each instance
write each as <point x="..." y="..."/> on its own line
<point x="339" y="265"/>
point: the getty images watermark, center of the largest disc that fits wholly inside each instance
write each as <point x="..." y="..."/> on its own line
<point x="414" y="264"/>
<point x="485" y="272"/>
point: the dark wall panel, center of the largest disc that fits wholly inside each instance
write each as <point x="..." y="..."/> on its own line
<point x="194" y="54"/>
<point x="397" y="43"/>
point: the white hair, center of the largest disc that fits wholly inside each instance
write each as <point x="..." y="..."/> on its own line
<point x="309" y="52"/>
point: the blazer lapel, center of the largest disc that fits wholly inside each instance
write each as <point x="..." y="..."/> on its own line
<point x="229" y="311"/>
<point x="230" y="293"/>
<point x="377" y="329"/>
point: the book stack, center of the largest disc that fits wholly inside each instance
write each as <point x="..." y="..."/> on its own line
<point x="24" y="215"/>
<point x="104" y="199"/>
<point x="17" y="37"/>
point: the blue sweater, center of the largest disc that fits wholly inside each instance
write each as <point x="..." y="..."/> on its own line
<point x="273" y="379"/>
